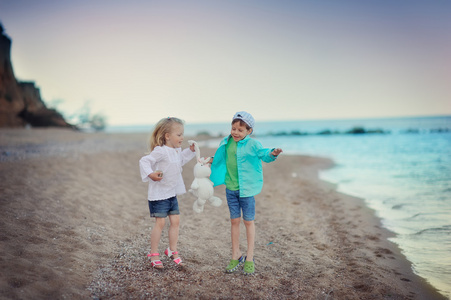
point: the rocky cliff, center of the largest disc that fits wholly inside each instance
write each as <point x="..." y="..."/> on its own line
<point x="20" y="102"/>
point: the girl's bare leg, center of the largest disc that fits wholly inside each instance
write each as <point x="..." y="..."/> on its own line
<point x="155" y="236"/>
<point x="250" y="233"/>
<point x="174" y="231"/>
<point x="235" y="233"/>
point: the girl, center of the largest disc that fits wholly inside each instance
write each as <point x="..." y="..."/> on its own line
<point x="162" y="168"/>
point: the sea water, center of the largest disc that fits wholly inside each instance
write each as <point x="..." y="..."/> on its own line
<point x="402" y="171"/>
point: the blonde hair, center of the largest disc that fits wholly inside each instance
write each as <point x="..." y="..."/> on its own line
<point x="163" y="126"/>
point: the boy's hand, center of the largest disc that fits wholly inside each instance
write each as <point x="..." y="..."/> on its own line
<point x="276" y="152"/>
<point x="156" y="176"/>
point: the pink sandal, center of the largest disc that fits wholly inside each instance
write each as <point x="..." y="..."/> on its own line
<point x="171" y="254"/>
<point x="157" y="264"/>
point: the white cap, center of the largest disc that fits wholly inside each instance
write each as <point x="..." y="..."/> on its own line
<point x="246" y="117"/>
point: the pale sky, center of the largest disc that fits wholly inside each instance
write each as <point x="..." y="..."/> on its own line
<point x="139" y="61"/>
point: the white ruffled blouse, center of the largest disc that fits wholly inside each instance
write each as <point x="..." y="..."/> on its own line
<point x="170" y="161"/>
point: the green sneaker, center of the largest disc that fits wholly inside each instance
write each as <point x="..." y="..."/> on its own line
<point x="249" y="268"/>
<point x="234" y="264"/>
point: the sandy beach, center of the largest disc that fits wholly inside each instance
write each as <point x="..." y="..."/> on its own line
<point x="75" y="225"/>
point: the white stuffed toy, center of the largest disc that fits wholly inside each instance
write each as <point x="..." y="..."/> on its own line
<point x="202" y="187"/>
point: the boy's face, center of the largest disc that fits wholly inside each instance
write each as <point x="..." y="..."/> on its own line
<point x="239" y="131"/>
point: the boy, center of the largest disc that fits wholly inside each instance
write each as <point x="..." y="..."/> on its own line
<point x="237" y="164"/>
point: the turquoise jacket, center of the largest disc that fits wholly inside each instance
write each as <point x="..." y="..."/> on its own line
<point x="250" y="154"/>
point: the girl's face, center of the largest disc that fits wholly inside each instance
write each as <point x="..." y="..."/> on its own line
<point x="174" y="139"/>
<point x="239" y="131"/>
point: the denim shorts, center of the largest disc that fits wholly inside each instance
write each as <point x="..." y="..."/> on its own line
<point x="163" y="208"/>
<point x="238" y="204"/>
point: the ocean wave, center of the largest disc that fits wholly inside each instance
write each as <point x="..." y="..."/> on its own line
<point x="443" y="230"/>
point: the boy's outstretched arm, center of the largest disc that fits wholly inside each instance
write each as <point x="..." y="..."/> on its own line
<point x="276" y="152"/>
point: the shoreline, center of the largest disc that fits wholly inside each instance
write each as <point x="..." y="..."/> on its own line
<point x="74" y="224"/>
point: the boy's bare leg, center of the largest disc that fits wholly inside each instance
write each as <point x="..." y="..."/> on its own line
<point x="235" y="233"/>
<point x="250" y="233"/>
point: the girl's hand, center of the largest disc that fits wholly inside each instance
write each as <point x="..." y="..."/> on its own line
<point x="156" y="176"/>
<point x="276" y="152"/>
<point x="192" y="148"/>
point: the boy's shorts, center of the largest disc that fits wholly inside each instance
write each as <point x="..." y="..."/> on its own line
<point x="163" y="208"/>
<point x="238" y="204"/>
